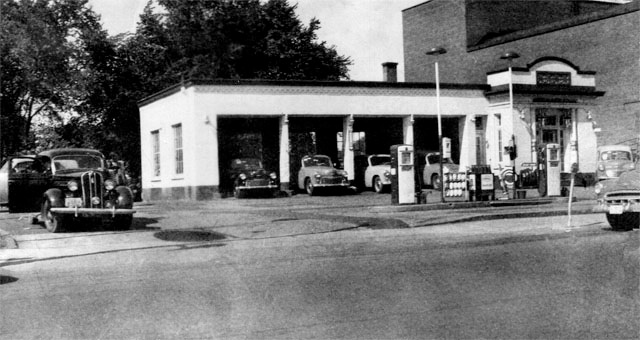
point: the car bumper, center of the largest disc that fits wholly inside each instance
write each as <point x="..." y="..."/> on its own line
<point x="339" y="185"/>
<point x="92" y="211"/>
<point x="259" y="187"/>
<point x="616" y="208"/>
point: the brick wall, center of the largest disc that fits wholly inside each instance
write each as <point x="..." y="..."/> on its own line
<point x="607" y="45"/>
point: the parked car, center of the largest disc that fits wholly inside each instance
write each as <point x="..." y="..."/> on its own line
<point x="374" y="171"/>
<point x="249" y="176"/>
<point x="614" y="160"/>
<point x="318" y="172"/>
<point x="66" y="185"/>
<point x="619" y="199"/>
<point x="431" y="172"/>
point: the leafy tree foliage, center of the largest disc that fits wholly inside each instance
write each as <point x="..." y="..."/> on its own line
<point x="246" y="39"/>
<point x="65" y="76"/>
<point x="43" y="63"/>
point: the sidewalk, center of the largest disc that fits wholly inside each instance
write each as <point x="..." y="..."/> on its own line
<point x="303" y="215"/>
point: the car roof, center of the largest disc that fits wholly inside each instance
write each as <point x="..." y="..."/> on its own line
<point x="614" y="147"/>
<point x="70" y="151"/>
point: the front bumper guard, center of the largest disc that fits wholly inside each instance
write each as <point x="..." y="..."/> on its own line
<point x="93" y="211"/>
<point x="258" y="187"/>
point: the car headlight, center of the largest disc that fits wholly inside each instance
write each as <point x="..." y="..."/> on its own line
<point x="317" y="175"/>
<point x="598" y="188"/>
<point x="109" y="184"/>
<point x="632" y="166"/>
<point x="273" y="175"/>
<point x="243" y="176"/>
<point x="72" y="185"/>
<point x="343" y="173"/>
<point x="387" y="174"/>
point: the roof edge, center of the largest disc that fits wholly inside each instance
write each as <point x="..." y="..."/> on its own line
<point x="304" y="83"/>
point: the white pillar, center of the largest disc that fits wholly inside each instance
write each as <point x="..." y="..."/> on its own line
<point x="574" y="138"/>
<point x="347" y="133"/>
<point x="284" y="171"/>
<point x="407" y="130"/>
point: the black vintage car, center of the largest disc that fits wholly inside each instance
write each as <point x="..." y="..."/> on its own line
<point x="619" y="199"/>
<point x="249" y="176"/>
<point x="66" y="185"/>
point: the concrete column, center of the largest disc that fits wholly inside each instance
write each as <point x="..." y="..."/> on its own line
<point x="407" y="130"/>
<point x="347" y="133"/>
<point x="284" y="171"/>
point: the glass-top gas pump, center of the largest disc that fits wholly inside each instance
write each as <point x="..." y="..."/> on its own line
<point x="402" y="174"/>
<point x="549" y="170"/>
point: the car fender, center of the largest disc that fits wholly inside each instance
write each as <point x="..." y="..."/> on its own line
<point x="125" y="197"/>
<point x="55" y="197"/>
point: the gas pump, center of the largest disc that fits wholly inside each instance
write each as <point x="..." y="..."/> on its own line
<point x="552" y="169"/>
<point x="402" y="174"/>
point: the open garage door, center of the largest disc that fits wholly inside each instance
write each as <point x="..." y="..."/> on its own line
<point x="312" y="135"/>
<point x="240" y="137"/>
<point x="425" y="132"/>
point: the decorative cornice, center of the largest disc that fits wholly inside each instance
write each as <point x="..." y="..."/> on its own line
<point x="535" y="89"/>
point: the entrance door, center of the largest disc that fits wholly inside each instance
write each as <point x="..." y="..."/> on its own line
<point x="552" y="125"/>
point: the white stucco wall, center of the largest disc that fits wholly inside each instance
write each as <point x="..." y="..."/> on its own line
<point x="161" y="116"/>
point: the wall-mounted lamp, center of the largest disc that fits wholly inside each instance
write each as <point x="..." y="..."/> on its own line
<point x="589" y="116"/>
<point x="472" y="118"/>
<point x="206" y="120"/>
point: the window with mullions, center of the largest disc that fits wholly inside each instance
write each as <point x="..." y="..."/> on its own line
<point x="155" y="145"/>
<point x="177" y="146"/>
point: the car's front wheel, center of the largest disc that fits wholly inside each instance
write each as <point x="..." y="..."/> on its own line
<point x="378" y="187"/>
<point x="54" y="222"/>
<point x="308" y="186"/>
<point x="624" y="221"/>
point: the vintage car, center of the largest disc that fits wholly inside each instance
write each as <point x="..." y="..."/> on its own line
<point x="619" y="199"/>
<point x="431" y="172"/>
<point x="612" y="160"/>
<point x="66" y="185"/>
<point x="249" y="176"/>
<point x="317" y="172"/>
<point x="373" y="171"/>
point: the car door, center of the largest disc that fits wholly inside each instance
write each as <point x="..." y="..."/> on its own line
<point x="22" y="182"/>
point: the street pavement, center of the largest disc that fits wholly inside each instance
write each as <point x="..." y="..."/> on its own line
<point x="292" y="216"/>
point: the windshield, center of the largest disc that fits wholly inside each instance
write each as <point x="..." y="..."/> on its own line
<point x="246" y="164"/>
<point x="380" y="160"/>
<point x="317" y="161"/>
<point x="70" y="163"/>
<point x="615" y="155"/>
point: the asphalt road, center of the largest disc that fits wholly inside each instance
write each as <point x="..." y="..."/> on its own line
<point x="528" y="278"/>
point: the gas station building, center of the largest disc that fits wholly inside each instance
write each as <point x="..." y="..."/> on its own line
<point x="190" y="132"/>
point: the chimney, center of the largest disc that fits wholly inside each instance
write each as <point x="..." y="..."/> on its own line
<point x="390" y="72"/>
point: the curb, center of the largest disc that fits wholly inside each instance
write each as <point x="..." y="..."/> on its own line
<point x="488" y="217"/>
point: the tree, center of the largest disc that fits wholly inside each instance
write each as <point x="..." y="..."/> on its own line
<point x="246" y="39"/>
<point x="43" y="64"/>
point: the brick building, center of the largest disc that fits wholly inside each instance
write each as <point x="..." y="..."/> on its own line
<point x="596" y="36"/>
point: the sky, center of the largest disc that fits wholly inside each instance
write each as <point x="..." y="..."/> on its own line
<point x="368" y="31"/>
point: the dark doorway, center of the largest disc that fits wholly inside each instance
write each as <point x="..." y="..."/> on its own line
<point x="247" y="138"/>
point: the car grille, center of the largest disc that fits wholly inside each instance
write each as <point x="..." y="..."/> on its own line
<point x="91" y="182"/>
<point x="623" y="197"/>
<point x="613" y="173"/>
<point x="257" y="182"/>
<point x="331" y="180"/>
